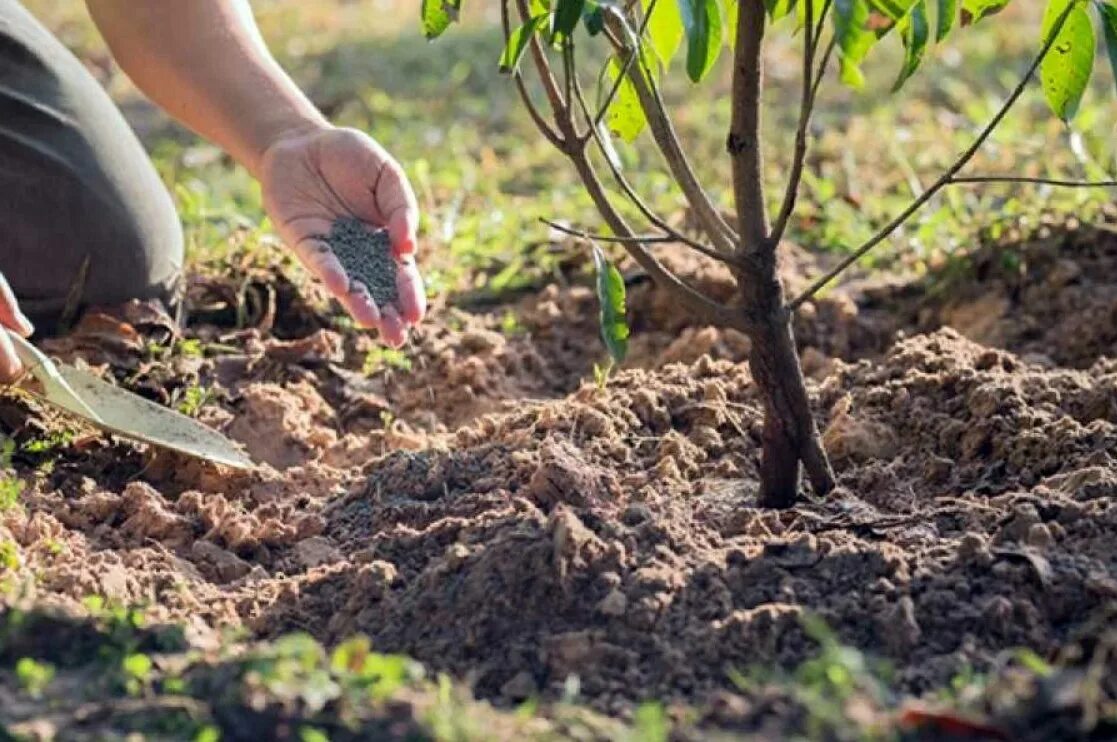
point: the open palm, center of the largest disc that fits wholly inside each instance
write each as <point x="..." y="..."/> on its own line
<point x="311" y="179"/>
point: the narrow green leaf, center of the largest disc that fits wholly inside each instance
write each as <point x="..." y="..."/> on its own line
<point x="1065" y="71"/>
<point x="566" y="17"/>
<point x="611" y="295"/>
<point x="974" y="10"/>
<point x="702" y="22"/>
<point x="665" y="29"/>
<point x="915" y="31"/>
<point x="625" y="117"/>
<point x="948" y="12"/>
<point x="437" y="15"/>
<point x="855" y="39"/>
<point x="1109" y="30"/>
<point x="518" y="41"/>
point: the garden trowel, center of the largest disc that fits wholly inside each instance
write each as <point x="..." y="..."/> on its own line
<point x="119" y="411"/>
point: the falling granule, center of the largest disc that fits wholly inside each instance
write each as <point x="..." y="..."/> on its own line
<point x="366" y="256"/>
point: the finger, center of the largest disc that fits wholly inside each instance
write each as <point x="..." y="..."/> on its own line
<point x="317" y="257"/>
<point x="10" y="367"/>
<point x="360" y="306"/>
<point x="397" y="199"/>
<point x="392" y="330"/>
<point x="10" y="315"/>
<point x="402" y="225"/>
<point x="412" y="297"/>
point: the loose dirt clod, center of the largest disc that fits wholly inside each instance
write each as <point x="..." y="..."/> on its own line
<point x="366" y="256"/>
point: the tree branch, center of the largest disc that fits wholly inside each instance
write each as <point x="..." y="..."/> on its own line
<point x="559" y="106"/>
<point x="629" y="59"/>
<point x="673" y="234"/>
<point x="806" y="108"/>
<point x="949" y="177"/>
<point x="719" y="232"/>
<point x="1056" y="182"/>
<point x="692" y="300"/>
<point x="646" y="239"/>
<point x="540" y="123"/>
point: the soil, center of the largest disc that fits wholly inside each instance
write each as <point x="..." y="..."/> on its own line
<point x="494" y="515"/>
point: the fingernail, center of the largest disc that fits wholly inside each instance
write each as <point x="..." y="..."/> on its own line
<point x="25" y="327"/>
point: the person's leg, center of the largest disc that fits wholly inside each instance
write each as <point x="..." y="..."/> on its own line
<point x="76" y="186"/>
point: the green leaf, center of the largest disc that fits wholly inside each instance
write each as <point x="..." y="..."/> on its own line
<point x="1065" y="71"/>
<point x="665" y="29"/>
<point x="778" y="8"/>
<point x="974" y="10"/>
<point x="894" y="10"/>
<point x="437" y="15"/>
<point x="566" y="17"/>
<point x="914" y="31"/>
<point x="625" y="117"/>
<point x="1109" y="30"/>
<point x="518" y="41"/>
<point x="610" y="293"/>
<point x="593" y="19"/>
<point x="855" y="39"/>
<point x="702" y="22"/>
<point x="948" y="12"/>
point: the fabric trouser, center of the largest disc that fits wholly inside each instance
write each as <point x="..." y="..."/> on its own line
<point x="83" y="213"/>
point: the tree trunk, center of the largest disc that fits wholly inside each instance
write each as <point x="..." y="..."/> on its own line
<point x="790" y="434"/>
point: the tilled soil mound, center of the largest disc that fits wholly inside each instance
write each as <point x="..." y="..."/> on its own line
<point x="610" y="535"/>
<point x="489" y="516"/>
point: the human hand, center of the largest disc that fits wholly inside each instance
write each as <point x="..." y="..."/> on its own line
<point x="312" y="177"/>
<point x="12" y="319"/>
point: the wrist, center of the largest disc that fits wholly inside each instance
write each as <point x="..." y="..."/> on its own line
<point x="280" y="132"/>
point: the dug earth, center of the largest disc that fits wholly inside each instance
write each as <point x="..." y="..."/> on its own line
<point x="480" y="516"/>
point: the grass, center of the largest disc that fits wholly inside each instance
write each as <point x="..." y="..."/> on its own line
<point x="483" y="177"/>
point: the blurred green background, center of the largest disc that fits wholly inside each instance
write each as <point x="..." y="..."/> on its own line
<point x="484" y="177"/>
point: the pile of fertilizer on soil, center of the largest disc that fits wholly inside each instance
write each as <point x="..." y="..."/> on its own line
<point x="366" y="256"/>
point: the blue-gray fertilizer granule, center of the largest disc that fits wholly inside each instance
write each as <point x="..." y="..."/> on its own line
<point x="366" y="256"/>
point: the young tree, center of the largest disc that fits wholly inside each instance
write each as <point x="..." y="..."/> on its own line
<point x="643" y="38"/>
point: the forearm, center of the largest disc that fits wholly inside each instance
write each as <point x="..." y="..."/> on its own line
<point x="204" y="62"/>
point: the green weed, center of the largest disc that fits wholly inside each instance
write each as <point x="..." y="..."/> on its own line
<point x="191" y="399"/>
<point x="380" y="358"/>
<point x="9" y="556"/>
<point x="34" y="676"/>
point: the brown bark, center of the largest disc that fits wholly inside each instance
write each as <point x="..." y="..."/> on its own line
<point x="790" y="435"/>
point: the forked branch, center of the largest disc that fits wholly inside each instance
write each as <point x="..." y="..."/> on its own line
<point x="671" y="234"/>
<point x="691" y="299"/>
<point x="545" y="129"/>
<point x="948" y="178"/>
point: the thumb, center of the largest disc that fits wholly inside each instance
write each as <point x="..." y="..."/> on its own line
<point x="10" y="315"/>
